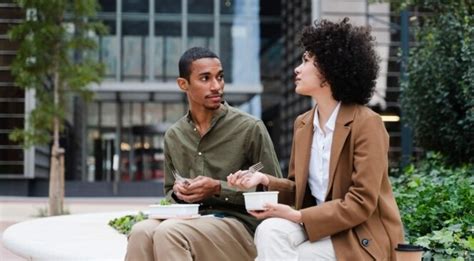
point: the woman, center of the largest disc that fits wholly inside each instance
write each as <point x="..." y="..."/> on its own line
<point x="338" y="180"/>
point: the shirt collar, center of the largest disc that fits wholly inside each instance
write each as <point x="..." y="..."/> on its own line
<point x="219" y="114"/>
<point x="331" y="123"/>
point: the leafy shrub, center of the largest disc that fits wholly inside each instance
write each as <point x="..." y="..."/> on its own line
<point x="438" y="98"/>
<point x="124" y="224"/>
<point x="437" y="207"/>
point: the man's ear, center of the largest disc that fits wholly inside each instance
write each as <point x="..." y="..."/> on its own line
<point x="182" y="83"/>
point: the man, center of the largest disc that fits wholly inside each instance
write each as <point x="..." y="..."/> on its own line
<point x="210" y="142"/>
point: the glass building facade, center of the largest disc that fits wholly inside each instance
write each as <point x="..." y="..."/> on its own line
<point x="114" y="143"/>
<point x="139" y="98"/>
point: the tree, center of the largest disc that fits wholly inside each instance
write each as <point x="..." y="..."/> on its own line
<point x="53" y="60"/>
<point x="438" y="97"/>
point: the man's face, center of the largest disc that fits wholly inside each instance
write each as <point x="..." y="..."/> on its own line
<point x="205" y="87"/>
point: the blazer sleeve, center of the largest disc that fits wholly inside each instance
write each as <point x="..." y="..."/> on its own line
<point x="286" y="187"/>
<point x="370" y="164"/>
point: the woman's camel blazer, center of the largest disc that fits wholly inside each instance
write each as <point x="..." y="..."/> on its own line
<point x="359" y="213"/>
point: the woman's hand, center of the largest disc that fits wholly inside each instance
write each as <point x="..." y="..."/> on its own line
<point x="278" y="210"/>
<point x="243" y="179"/>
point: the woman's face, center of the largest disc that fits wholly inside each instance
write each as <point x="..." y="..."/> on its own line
<point x="308" y="79"/>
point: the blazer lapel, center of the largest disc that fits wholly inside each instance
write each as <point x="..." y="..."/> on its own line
<point x="341" y="131"/>
<point x="303" y="140"/>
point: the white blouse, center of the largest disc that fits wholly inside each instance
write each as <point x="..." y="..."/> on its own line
<point x="320" y="155"/>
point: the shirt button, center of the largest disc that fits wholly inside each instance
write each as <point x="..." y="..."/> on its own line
<point x="226" y="199"/>
<point x="199" y="153"/>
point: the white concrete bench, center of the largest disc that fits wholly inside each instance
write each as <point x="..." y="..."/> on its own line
<point x="69" y="237"/>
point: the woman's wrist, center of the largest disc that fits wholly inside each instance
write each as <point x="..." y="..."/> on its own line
<point x="264" y="180"/>
<point x="297" y="217"/>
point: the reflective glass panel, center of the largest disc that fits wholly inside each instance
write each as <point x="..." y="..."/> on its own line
<point x="108" y="50"/>
<point x="201" y="6"/>
<point x="168" y="6"/>
<point x="108" y="5"/>
<point x="227" y="6"/>
<point x="167" y="50"/>
<point x="135" y="6"/>
<point x="109" y="115"/>
<point x="134" y="50"/>
<point x="201" y="34"/>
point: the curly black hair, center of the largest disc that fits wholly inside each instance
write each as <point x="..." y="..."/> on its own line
<point x="345" y="56"/>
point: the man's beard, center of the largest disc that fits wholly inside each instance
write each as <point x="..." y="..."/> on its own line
<point x="213" y="107"/>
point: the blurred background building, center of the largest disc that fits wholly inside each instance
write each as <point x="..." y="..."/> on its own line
<point x="114" y="144"/>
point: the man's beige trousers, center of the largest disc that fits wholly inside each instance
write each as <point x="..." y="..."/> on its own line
<point x="204" y="238"/>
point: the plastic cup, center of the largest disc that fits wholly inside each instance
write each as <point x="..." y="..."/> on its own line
<point x="407" y="252"/>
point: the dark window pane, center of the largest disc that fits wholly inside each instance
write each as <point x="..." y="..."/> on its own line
<point x="270" y="7"/>
<point x="6" y="76"/>
<point x="201" y="6"/>
<point x="135" y="6"/>
<point x="270" y="31"/>
<point x="4" y="140"/>
<point x="111" y="25"/>
<point x="168" y="6"/>
<point x="11" y="154"/>
<point x="6" y="60"/>
<point x="227" y="6"/>
<point x="201" y="29"/>
<point x="11" y="169"/>
<point x="11" y="92"/>
<point x="108" y="5"/>
<point x="201" y="34"/>
<point x="12" y="123"/>
<point x="168" y="28"/>
<point x="12" y="108"/>
<point x="135" y="28"/>
<point x="226" y="50"/>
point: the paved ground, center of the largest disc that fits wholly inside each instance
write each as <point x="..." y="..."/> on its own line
<point x="17" y="209"/>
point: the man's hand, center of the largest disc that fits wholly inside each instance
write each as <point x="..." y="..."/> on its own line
<point x="278" y="210"/>
<point x="199" y="189"/>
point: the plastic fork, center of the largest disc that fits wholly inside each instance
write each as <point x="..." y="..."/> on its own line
<point x="256" y="167"/>
<point x="179" y="178"/>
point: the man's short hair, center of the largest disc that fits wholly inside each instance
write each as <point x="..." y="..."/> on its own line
<point x="191" y="55"/>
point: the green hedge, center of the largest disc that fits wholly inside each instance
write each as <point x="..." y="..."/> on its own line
<point x="437" y="207"/>
<point x="438" y="98"/>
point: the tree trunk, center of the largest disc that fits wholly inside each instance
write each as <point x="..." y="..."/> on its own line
<point x="56" y="177"/>
<point x="56" y="182"/>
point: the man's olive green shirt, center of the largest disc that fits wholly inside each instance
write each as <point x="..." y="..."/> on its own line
<point x="234" y="141"/>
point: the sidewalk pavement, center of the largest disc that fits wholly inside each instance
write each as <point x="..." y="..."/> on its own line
<point x="17" y="209"/>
